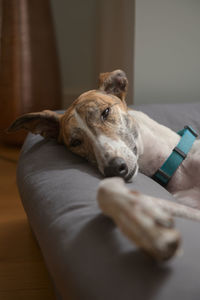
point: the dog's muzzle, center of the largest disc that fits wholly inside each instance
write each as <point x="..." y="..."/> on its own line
<point x="116" y="167"/>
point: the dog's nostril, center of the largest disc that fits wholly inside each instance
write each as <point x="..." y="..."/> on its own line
<point x="123" y="169"/>
<point x="116" y="167"/>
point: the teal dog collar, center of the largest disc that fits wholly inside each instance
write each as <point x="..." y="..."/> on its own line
<point x="179" y="153"/>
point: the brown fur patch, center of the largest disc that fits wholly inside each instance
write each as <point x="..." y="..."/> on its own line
<point x="115" y="83"/>
<point x="90" y="106"/>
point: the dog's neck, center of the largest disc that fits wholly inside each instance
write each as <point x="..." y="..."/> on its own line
<point x="156" y="143"/>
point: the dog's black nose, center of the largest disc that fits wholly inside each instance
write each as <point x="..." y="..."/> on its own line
<point x="116" y="167"/>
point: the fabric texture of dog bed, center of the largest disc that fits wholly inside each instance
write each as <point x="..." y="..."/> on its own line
<point x="83" y="250"/>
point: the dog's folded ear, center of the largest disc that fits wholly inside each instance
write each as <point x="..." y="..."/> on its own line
<point x="46" y="123"/>
<point x="115" y="83"/>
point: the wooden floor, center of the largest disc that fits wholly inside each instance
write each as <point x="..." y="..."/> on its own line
<point x="23" y="274"/>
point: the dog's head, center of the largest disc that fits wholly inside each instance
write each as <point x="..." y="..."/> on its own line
<point x="97" y="126"/>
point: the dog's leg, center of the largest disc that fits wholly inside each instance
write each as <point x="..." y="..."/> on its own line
<point x="189" y="197"/>
<point x="140" y="218"/>
<point x="176" y="209"/>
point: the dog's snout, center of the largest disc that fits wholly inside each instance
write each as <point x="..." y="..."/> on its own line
<point x="116" y="167"/>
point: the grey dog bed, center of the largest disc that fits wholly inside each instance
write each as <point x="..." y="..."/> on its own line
<point x="83" y="250"/>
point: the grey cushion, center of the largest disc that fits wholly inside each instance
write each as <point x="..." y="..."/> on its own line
<point x="82" y="248"/>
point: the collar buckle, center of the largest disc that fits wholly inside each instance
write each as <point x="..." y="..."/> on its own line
<point x="191" y="130"/>
<point x="179" y="153"/>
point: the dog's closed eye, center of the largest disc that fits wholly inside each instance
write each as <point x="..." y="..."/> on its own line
<point x="75" y="143"/>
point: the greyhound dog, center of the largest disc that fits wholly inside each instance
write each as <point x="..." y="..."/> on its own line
<point x="99" y="127"/>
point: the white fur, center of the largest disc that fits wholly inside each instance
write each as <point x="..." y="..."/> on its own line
<point x="84" y="126"/>
<point x="155" y="143"/>
<point x="158" y="142"/>
<point x="106" y="147"/>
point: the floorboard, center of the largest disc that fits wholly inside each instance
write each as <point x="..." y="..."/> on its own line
<point x="23" y="274"/>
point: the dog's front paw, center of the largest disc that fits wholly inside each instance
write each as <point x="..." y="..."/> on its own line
<point x="139" y="217"/>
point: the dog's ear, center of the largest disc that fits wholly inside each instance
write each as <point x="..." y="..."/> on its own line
<point x="46" y="123"/>
<point x="115" y="83"/>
